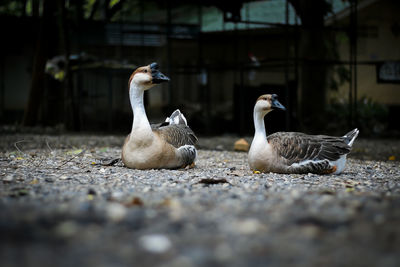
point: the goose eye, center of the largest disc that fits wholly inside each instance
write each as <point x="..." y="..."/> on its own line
<point x="145" y="71"/>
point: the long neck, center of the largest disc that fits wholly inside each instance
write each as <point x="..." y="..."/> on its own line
<point x="259" y="125"/>
<point x="140" y="121"/>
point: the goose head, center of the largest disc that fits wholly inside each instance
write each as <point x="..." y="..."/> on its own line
<point x="267" y="103"/>
<point x="146" y="77"/>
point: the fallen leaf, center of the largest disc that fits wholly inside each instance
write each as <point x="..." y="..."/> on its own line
<point x="74" y="152"/>
<point x="20" y="192"/>
<point x="392" y="158"/>
<point x="19" y="158"/>
<point x="256" y="172"/>
<point x="34" y="181"/>
<point x="136" y="201"/>
<point x="109" y="162"/>
<point x="213" y="181"/>
<point x="327" y="192"/>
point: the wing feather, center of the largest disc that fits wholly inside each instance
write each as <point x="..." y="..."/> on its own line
<point x="297" y="147"/>
<point x="177" y="134"/>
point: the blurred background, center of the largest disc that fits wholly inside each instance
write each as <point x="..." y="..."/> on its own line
<point x="335" y="64"/>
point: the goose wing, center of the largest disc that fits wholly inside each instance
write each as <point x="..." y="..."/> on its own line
<point x="176" y="134"/>
<point x="297" y="147"/>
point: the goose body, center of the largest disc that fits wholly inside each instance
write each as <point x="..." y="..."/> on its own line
<point x="294" y="152"/>
<point x="167" y="145"/>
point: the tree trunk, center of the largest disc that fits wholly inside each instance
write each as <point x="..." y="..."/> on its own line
<point x="313" y="79"/>
<point x="71" y="109"/>
<point x="35" y="8"/>
<point x="313" y="51"/>
<point x="39" y="62"/>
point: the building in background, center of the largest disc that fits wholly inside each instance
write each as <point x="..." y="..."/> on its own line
<point x="219" y="62"/>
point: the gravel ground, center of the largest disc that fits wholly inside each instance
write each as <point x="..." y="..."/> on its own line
<point x="60" y="207"/>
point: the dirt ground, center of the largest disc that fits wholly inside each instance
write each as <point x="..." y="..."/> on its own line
<point x="59" y="206"/>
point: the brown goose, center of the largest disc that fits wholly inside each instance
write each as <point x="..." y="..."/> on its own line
<point x="167" y="145"/>
<point x="293" y="152"/>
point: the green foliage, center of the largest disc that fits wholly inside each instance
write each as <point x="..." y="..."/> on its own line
<point x="88" y="6"/>
<point x="341" y="75"/>
<point x="371" y="117"/>
<point x="113" y="2"/>
<point x="14" y="8"/>
<point x="21" y="8"/>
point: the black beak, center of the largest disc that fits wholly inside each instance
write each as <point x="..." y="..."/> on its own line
<point x="275" y="104"/>
<point x="157" y="76"/>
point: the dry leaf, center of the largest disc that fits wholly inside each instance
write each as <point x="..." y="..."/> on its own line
<point x="136" y="201"/>
<point x="213" y="181"/>
<point x="74" y="152"/>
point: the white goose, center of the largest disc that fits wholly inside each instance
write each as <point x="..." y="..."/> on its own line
<point x="293" y="152"/>
<point x="167" y="145"/>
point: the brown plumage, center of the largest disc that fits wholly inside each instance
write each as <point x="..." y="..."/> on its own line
<point x="296" y="147"/>
<point x="294" y="152"/>
<point x="177" y="134"/>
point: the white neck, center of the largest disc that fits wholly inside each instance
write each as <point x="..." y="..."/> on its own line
<point x="259" y="125"/>
<point x="140" y="121"/>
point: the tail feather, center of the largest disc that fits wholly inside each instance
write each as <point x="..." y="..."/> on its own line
<point x="176" y="118"/>
<point x="351" y="136"/>
<point x="188" y="154"/>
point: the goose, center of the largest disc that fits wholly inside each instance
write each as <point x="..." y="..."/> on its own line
<point x="168" y="145"/>
<point x="294" y="152"/>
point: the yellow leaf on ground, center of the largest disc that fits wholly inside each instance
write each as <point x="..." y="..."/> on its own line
<point x="256" y="172"/>
<point x="19" y="158"/>
<point x="392" y="158"/>
<point x="34" y="181"/>
<point x="74" y="152"/>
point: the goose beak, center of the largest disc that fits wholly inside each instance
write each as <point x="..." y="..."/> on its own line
<point x="157" y="76"/>
<point x="275" y="104"/>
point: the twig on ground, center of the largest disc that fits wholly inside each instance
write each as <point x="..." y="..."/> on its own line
<point x="48" y="146"/>
<point x="19" y="150"/>
<point x="75" y="156"/>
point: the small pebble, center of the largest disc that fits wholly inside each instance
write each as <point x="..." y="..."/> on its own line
<point x="115" y="211"/>
<point x="155" y="243"/>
